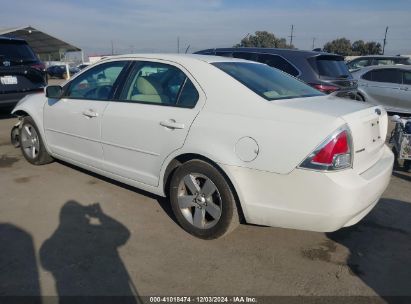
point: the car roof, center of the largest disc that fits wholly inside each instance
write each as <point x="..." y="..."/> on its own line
<point x="381" y="56"/>
<point x="178" y="57"/>
<point x="294" y="52"/>
<point x="379" y="67"/>
<point x="6" y="38"/>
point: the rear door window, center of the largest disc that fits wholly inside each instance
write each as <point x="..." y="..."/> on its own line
<point x="160" y="84"/>
<point x="387" y="75"/>
<point x="246" y="55"/>
<point x="330" y="66"/>
<point x="278" y="62"/>
<point x="224" y="54"/>
<point x="384" y="61"/>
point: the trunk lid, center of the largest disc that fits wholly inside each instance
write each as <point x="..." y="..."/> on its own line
<point x="369" y="130"/>
<point x="368" y="125"/>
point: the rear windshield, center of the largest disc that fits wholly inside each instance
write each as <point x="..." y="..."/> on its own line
<point x="16" y="51"/>
<point x="330" y="66"/>
<point x="266" y="81"/>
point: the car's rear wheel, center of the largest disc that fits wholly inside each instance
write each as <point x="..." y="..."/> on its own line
<point x="31" y="143"/>
<point x="202" y="200"/>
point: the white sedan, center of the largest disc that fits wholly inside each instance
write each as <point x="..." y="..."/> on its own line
<point x="225" y="139"/>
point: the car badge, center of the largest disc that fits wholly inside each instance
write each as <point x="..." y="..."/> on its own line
<point x="6" y="63"/>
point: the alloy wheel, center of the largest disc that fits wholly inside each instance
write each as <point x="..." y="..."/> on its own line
<point x="199" y="200"/>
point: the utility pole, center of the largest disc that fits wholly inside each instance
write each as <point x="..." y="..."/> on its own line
<point x="385" y="40"/>
<point x="292" y="34"/>
<point x="188" y="47"/>
<point x="313" y="47"/>
<point x="178" y="44"/>
<point x="112" y="47"/>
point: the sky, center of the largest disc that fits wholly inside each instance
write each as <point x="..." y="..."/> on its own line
<point x="154" y="25"/>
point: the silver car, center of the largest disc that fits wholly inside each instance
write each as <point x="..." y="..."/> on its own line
<point x="389" y="86"/>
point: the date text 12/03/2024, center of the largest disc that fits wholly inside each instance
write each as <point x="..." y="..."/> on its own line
<point x="206" y="299"/>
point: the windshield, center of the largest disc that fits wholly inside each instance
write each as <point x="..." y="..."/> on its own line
<point x="266" y="81"/>
<point x="331" y="66"/>
<point x="16" y="51"/>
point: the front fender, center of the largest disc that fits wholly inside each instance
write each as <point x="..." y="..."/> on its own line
<point x="33" y="105"/>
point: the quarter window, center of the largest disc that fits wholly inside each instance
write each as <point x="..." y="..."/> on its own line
<point x="97" y="83"/>
<point x="367" y="76"/>
<point x="158" y="83"/>
<point x="278" y="63"/>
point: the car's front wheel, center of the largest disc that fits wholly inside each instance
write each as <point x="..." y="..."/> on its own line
<point x="202" y="200"/>
<point x="31" y="143"/>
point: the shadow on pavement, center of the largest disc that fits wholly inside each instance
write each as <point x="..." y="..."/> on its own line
<point x="18" y="268"/>
<point x="380" y="249"/>
<point x="82" y="254"/>
<point x="162" y="201"/>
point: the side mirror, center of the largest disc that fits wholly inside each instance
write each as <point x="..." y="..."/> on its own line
<point x="54" y="91"/>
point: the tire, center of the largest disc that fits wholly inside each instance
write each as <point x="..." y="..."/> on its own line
<point x="396" y="162"/>
<point x="14" y="137"/>
<point x="202" y="200"/>
<point x="407" y="165"/>
<point x="31" y="143"/>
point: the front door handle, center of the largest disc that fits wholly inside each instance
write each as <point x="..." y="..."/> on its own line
<point x="172" y="124"/>
<point x="90" y="113"/>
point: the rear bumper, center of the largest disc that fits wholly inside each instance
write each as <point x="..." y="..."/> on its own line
<point x="10" y="99"/>
<point x="310" y="200"/>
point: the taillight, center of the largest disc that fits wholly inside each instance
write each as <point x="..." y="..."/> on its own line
<point x="38" y="66"/>
<point x="335" y="153"/>
<point x="325" y="88"/>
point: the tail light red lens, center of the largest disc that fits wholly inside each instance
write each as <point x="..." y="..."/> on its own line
<point x="333" y="154"/>
<point x="327" y="89"/>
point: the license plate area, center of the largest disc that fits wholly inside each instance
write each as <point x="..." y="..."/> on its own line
<point x="375" y="132"/>
<point x="8" y="80"/>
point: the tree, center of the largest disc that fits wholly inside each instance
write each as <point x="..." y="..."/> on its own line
<point x="264" y="39"/>
<point x="373" y="48"/>
<point x="359" y="48"/>
<point x="341" y="46"/>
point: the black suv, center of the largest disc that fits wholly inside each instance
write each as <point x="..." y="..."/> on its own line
<point x="21" y="72"/>
<point x="324" y="71"/>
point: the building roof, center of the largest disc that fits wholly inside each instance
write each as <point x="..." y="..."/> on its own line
<point x="41" y="42"/>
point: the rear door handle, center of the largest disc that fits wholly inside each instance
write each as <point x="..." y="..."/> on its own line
<point x="172" y="124"/>
<point x="90" y="113"/>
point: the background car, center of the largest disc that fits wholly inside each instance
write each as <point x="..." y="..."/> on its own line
<point x="364" y="61"/>
<point x="83" y="65"/>
<point x="389" y="86"/>
<point x="222" y="138"/>
<point x="21" y="72"/>
<point x="60" y="71"/>
<point x="324" y="71"/>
